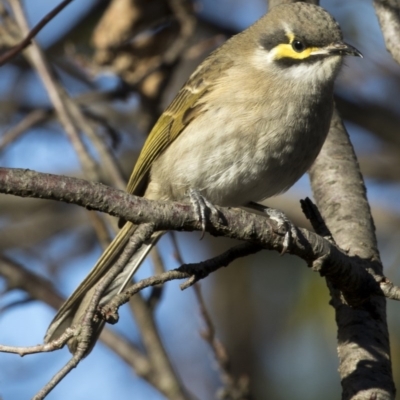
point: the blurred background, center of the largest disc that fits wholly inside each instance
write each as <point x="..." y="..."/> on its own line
<point x="120" y="62"/>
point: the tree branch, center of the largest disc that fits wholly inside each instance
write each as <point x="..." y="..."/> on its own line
<point x="388" y="12"/>
<point x="56" y="94"/>
<point x="40" y="289"/>
<point x="352" y="274"/>
<point x="363" y="346"/>
<point x="13" y="52"/>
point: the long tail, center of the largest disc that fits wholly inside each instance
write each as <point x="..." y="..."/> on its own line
<point x="74" y="307"/>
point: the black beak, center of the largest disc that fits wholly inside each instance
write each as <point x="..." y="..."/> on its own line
<point x="343" y="49"/>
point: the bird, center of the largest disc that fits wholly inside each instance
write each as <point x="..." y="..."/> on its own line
<point x="248" y="123"/>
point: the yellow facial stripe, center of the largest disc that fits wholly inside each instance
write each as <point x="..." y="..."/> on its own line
<point x="286" y="50"/>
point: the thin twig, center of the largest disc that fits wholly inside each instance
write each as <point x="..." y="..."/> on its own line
<point x="55" y="92"/>
<point x="108" y="160"/>
<point x="156" y="293"/>
<point x="39" y="288"/>
<point x="13" y="52"/>
<point x="86" y="332"/>
<point x="100" y="227"/>
<point x="205" y="268"/>
<point x="33" y="118"/>
<point x="390" y="290"/>
<point x="192" y="272"/>
<point x="169" y="382"/>
<point x="40" y="348"/>
<point x="122" y="298"/>
<point x="90" y="328"/>
<point x="234" y="389"/>
<point x="75" y="360"/>
<point x="187" y="23"/>
<point x="177" y="252"/>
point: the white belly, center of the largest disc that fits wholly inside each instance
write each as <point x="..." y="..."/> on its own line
<point x="238" y="160"/>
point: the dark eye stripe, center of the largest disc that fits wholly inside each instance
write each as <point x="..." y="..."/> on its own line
<point x="268" y="42"/>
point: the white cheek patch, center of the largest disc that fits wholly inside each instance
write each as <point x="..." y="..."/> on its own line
<point x="306" y="72"/>
<point x="319" y="71"/>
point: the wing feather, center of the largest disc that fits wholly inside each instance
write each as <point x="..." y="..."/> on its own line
<point x="183" y="109"/>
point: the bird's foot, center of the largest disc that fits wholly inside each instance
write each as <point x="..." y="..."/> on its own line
<point x="202" y="207"/>
<point x="283" y="222"/>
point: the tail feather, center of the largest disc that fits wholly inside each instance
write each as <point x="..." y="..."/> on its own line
<point x="77" y="303"/>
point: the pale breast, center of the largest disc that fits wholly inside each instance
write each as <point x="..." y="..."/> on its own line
<point x="246" y="146"/>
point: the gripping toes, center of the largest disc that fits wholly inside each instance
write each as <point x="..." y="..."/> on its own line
<point x="283" y="221"/>
<point x="201" y="206"/>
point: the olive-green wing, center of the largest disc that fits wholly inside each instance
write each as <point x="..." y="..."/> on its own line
<point x="183" y="109"/>
<point x="168" y="127"/>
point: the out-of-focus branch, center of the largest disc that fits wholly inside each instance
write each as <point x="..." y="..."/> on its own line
<point x="70" y="115"/>
<point x="143" y="48"/>
<point x="379" y="120"/>
<point x="232" y="388"/>
<point x="187" y="23"/>
<point x="33" y="118"/>
<point x="108" y="160"/>
<point x="38" y="288"/>
<point x="55" y="91"/>
<point x="101" y="229"/>
<point x="388" y="12"/>
<point x="157" y="291"/>
<point x="164" y="372"/>
<point x="273" y="3"/>
<point x="18" y="277"/>
<point x="235" y="389"/>
<point x="38" y="27"/>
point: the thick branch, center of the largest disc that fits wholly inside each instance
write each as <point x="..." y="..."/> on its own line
<point x="388" y="12"/>
<point x="348" y="273"/>
<point x="363" y="347"/>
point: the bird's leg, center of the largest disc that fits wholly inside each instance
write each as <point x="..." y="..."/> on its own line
<point x="202" y="206"/>
<point x="281" y="219"/>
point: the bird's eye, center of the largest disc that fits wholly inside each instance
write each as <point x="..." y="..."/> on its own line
<point x="298" y="46"/>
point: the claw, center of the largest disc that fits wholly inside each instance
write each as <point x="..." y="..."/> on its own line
<point x="283" y="221"/>
<point x="201" y="206"/>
